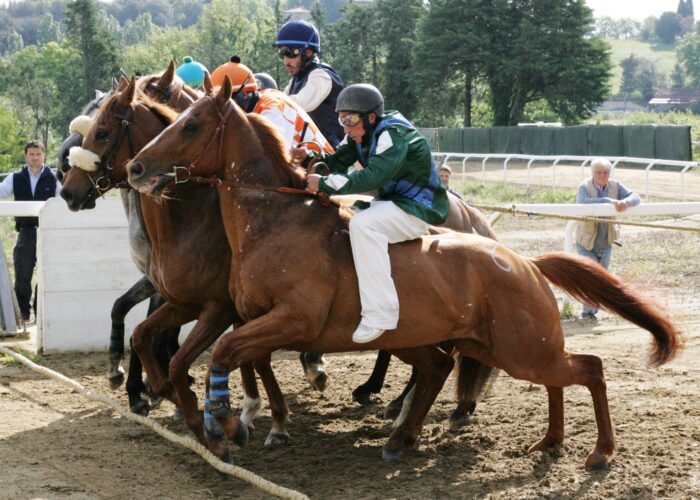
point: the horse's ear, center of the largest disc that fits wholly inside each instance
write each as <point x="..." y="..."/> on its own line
<point x="208" y="87"/>
<point x="167" y="77"/>
<point x="123" y="84"/>
<point x="127" y="96"/>
<point x="224" y="93"/>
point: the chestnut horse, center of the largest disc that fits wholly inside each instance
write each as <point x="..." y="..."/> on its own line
<point x="294" y="283"/>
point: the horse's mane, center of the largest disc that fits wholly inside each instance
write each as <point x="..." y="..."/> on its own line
<point x="273" y="143"/>
<point x="165" y="113"/>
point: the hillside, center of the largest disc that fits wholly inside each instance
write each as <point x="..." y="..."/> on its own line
<point x="664" y="56"/>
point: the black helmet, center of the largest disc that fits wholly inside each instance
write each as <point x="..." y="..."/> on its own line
<point x="265" y="81"/>
<point x="361" y="98"/>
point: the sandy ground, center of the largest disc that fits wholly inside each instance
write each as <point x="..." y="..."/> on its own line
<point x="55" y="444"/>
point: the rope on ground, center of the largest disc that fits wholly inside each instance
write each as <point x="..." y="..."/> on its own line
<point x="516" y="211"/>
<point x="185" y="441"/>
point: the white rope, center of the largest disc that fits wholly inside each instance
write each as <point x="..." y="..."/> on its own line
<point x="185" y="441"/>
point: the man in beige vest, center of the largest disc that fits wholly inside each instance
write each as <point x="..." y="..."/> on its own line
<point x="594" y="240"/>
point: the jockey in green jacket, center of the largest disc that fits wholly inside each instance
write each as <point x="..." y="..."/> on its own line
<point x="396" y="161"/>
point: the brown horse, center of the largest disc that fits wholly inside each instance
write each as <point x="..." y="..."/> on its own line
<point x="294" y="282"/>
<point x="190" y="294"/>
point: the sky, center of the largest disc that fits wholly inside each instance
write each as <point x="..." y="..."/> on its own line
<point x="636" y="9"/>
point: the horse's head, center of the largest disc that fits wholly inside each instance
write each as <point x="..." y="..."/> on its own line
<point x="167" y="88"/>
<point x="214" y="137"/>
<point x="76" y="138"/>
<point x="122" y="126"/>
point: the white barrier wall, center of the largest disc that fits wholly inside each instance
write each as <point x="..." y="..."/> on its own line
<point x="84" y="265"/>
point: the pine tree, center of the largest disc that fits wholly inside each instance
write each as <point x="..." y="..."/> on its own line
<point x="95" y="45"/>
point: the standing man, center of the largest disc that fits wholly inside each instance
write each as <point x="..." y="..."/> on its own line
<point x="35" y="182"/>
<point x="594" y="240"/>
<point x="397" y="162"/>
<point x="315" y="85"/>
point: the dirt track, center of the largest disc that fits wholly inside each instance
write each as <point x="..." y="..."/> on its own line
<point x="55" y="444"/>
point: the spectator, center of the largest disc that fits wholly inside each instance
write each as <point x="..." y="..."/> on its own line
<point x="314" y="85"/>
<point x="445" y="172"/>
<point x="594" y="240"/>
<point x="35" y="182"/>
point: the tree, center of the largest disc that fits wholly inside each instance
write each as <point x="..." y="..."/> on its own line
<point x="11" y="139"/>
<point x="13" y="42"/>
<point x="49" y="30"/>
<point x="449" y="56"/>
<point x="630" y="67"/>
<point x="677" y="77"/>
<point x="668" y="27"/>
<point x="688" y="54"/>
<point x="400" y="20"/>
<point x="138" y="30"/>
<point x="539" y="49"/>
<point x="96" y="46"/>
<point x="648" y="29"/>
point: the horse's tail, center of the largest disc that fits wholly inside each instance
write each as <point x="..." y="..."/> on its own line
<point x="588" y="282"/>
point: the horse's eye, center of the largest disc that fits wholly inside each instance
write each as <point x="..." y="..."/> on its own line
<point x="191" y="126"/>
<point x="101" y="135"/>
<point x="65" y="168"/>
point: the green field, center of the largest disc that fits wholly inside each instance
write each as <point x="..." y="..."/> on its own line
<point x="663" y="56"/>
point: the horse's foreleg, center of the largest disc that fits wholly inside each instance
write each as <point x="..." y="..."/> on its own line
<point x="472" y="377"/>
<point x="254" y="340"/>
<point x="251" y="396"/>
<point x="278" y="406"/>
<point x="433" y="366"/>
<point x="393" y="409"/>
<point x="312" y="363"/>
<point x="210" y="324"/>
<point x="163" y="319"/>
<point x="139" y="292"/>
<point x="375" y="382"/>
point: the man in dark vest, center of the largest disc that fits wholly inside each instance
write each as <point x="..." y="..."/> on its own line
<point x="35" y="182"/>
<point x="315" y="85"/>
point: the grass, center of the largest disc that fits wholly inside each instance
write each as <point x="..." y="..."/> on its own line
<point x="663" y="56"/>
<point x="6" y="360"/>
<point x="501" y="193"/>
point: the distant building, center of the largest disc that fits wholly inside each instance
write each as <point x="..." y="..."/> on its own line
<point x="298" y="13"/>
<point x="674" y="99"/>
<point x="622" y="106"/>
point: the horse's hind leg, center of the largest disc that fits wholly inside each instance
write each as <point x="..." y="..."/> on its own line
<point x="472" y="377"/>
<point x="139" y="292"/>
<point x="433" y="366"/>
<point x="581" y="369"/>
<point x="312" y="363"/>
<point x="278" y="406"/>
<point x="375" y="382"/>
<point x="393" y="409"/>
<point x="251" y="396"/>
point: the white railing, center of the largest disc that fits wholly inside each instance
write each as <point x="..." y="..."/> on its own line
<point x="605" y="210"/>
<point x="649" y="163"/>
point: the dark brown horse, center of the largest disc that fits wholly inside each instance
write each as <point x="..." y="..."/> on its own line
<point x="294" y="283"/>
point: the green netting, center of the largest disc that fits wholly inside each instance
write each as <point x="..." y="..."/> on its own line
<point x="672" y="142"/>
<point x="605" y="140"/>
<point x="536" y="140"/>
<point x="450" y="140"/>
<point x="476" y="140"/>
<point x="432" y="135"/>
<point x="638" y="141"/>
<point x="572" y="141"/>
<point x="505" y="140"/>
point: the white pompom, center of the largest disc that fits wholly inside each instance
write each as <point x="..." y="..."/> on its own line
<point x="83" y="159"/>
<point x="80" y="125"/>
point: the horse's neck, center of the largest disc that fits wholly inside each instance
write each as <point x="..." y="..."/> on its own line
<point x="139" y="242"/>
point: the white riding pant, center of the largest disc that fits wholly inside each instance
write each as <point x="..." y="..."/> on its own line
<point x="371" y="231"/>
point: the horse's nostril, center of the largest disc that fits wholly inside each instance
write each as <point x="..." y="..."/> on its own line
<point x="66" y="195"/>
<point x="136" y="169"/>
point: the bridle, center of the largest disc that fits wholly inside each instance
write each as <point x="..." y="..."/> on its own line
<point x="106" y="182"/>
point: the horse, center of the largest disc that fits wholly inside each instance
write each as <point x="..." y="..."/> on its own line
<point x="293" y="281"/>
<point x="189" y="294"/>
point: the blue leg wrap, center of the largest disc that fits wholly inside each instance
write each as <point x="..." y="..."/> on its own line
<point x="219" y="403"/>
<point x="212" y="427"/>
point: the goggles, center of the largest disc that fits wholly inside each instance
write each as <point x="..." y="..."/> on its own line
<point x="350" y="120"/>
<point x="290" y="52"/>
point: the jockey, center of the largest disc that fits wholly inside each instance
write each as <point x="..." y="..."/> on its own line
<point x="191" y="72"/>
<point x="314" y="85"/>
<point x="396" y="160"/>
<point x="265" y="81"/>
<point x="291" y="120"/>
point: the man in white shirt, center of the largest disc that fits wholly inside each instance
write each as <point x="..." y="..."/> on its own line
<point x="314" y="85"/>
<point x="35" y="182"/>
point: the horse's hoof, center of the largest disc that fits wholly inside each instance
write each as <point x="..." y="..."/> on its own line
<point x="178" y="415"/>
<point x="140" y="408"/>
<point x="227" y="457"/>
<point x="276" y="438"/>
<point x="320" y="381"/>
<point x="545" y="445"/>
<point x="596" y="461"/>
<point x="392" y="455"/>
<point x="458" y="420"/>
<point x="392" y="410"/>
<point x="116" y="379"/>
<point x="241" y="436"/>
<point x="362" y="397"/>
